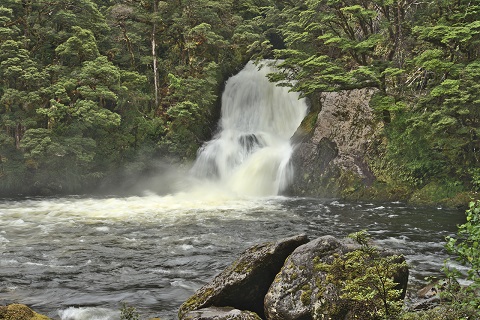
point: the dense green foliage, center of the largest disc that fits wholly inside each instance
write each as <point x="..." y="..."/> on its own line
<point x="466" y="246"/>
<point x="366" y="278"/>
<point x="91" y="88"/>
<point x="424" y="60"/>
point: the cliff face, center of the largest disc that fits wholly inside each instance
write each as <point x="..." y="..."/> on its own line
<point x="331" y="159"/>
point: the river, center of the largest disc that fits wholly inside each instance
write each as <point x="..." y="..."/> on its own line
<point x="80" y="258"/>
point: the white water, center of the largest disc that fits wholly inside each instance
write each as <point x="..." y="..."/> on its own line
<point x="250" y="154"/>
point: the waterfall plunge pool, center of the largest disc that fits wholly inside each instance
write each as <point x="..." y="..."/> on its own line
<point x="80" y="258"/>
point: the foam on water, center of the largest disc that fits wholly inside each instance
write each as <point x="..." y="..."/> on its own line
<point x="88" y="313"/>
<point x="153" y="252"/>
<point x="209" y="201"/>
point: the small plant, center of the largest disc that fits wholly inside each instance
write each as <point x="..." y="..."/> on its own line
<point x="128" y="313"/>
<point x="475" y="173"/>
<point x="366" y="281"/>
<point x="466" y="247"/>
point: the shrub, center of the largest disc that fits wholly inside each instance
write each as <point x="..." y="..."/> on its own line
<point x="128" y="313"/>
<point x="366" y="279"/>
<point x="466" y="247"/>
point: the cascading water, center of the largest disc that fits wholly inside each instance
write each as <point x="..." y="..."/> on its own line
<point x="250" y="154"/>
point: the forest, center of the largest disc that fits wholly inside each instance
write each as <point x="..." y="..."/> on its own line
<point x="93" y="91"/>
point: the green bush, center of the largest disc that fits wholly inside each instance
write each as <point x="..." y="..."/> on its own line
<point x="366" y="278"/>
<point x="128" y="313"/>
<point x="466" y="247"/>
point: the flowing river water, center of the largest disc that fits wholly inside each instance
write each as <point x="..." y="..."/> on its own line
<point x="80" y="258"/>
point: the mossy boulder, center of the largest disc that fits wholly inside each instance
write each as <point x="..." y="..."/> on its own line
<point x="20" y="312"/>
<point x="290" y="295"/>
<point x="245" y="282"/>
<point x="304" y="288"/>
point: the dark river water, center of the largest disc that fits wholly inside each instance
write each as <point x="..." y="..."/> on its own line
<point x="81" y="258"/>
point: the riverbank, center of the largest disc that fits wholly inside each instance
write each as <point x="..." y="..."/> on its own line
<point x="343" y="150"/>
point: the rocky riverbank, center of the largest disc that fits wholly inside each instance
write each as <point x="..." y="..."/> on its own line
<point x="295" y="278"/>
<point x="341" y="147"/>
<point x="298" y="278"/>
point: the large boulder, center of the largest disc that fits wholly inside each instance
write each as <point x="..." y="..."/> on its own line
<point x="303" y="290"/>
<point x="244" y="283"/>
<point x="290" y="295"/>
<point x="340" y="136"/>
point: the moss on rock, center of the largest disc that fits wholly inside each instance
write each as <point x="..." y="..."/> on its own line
<point x="245" y="282"/>
<point x="20" y="312"/>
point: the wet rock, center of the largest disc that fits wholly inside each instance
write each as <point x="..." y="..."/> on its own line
<point x="426" y="304"/>
<point x="289" y="297"/>
<point x="428" y="297"/>
<point x="20" y="312"/>
<point x="225" y="313"/>
<point x="301" y="287"/>
<point x="245" y="282"/>
<point x="332" y="160"/>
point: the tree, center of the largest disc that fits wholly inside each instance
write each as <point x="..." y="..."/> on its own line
<point x="437" y="136"/>
<point x="334" y="45"/>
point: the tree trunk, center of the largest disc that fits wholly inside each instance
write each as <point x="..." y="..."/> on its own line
<point x="154" y="52"/>
<point x="19" y="129"/>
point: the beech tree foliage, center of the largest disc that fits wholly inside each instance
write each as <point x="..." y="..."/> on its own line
<point x="88" y="86"/>
<point x="422" y="56"/>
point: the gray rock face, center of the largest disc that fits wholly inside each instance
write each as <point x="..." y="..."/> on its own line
<point x="302" y="288"/>
<point x="243" y="284"/>
<point x="291" y="279"/>
<point x="291" y="292"/>
<point x="225" y="313"/>
<point x="335" y="153"/>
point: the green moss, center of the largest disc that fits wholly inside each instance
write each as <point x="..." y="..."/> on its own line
<point x="309" y="122"/>
<point x="382" y="191"/>
<point x="20" y="312"/>
<point x="449" y="193"/>
<point x="195" y="301"/>
<point x="349" y="182"/>
<point x="242" y="267"/>
<point x="442" y="312"/>
<point x="319" y="266"/>
<point x="305" y="296"/>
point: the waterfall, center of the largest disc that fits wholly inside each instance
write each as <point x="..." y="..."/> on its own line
<point x="250" y="154"/>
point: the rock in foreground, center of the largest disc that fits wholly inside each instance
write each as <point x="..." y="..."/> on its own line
<point x="224" y="313"/>
<point x="305" y="289"/>
<point x="296" y="279"/>
<point x="20" y="312"/>
<point x="243" y="284"/>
